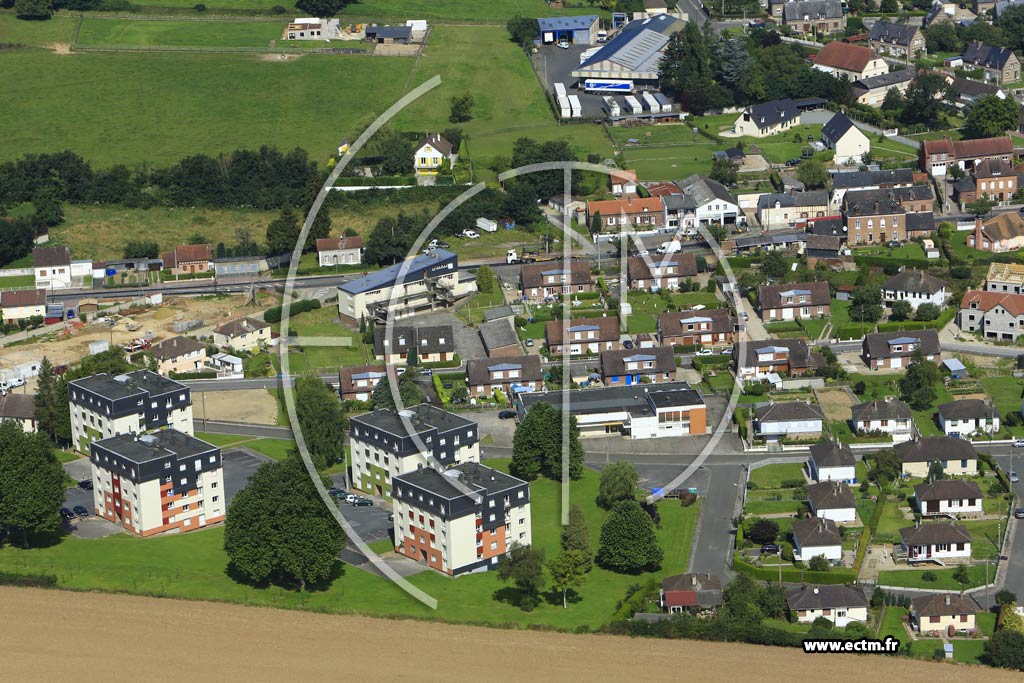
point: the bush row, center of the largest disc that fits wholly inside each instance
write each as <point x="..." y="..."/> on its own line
<point x="792" y="575"/>
<point x="273" y="315"/>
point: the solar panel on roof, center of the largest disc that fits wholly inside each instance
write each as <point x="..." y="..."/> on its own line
<point x="583" y="328"/>
<point x="904" y="340"/>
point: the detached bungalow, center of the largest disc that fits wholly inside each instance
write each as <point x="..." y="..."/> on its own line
<point x="816" y="536"/>
<point x="832" y="461"/>
<point x="22" y="304"/>
<point x="948" y="497"/>
<point x="838" y="604"/>
<point x="916" y="287"/>
<point x="967" y="417"/>
<point x="333" y="251"/>
<point x="938" y="611"/>
<point x="849" y="143"/>
<point x="793" y="420"/>
<point x="189" y="258"/>
<point x="957" y="456"/>
<point x="20" y="408"/>
<point x="832" y="500"/>
<point x="768" y="118"/>
<point x="684" y="592"/>
<point x="937" y="541"/>
<point x="887" y="416"/>
<point x="998" y="234"/>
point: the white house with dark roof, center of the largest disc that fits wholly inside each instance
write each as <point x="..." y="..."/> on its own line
<point x="832" y="461"/>
<point x="345" y="250"/>
<point x="816" y="536"/>
<point x="430" y="343"/>
<point x="832" y="500"/>
<point x="886" y="416"/>
<point x="710" y="201"/>
<point x="513" y="374"/>
<point x="792" y="420"/>
<point x="839" y="604"/>
<point x="848" y="142"/>
<point x="949" y="498"/>
<point x="767" y="118"/>
<point x="52" y="266"/>
<point x="968" y="417"/>
<point x="937" y="542"/>
<point x="915" y="287"/>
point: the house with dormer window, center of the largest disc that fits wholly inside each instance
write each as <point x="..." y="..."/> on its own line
<point x="793" y="301"/>
<point x="540" y="281"/>
<point x="895" y="349"/>
<point x="510" y="374"/>
<point x="633" y="366"/>
<point x="775" y="357"/>
<point x="661" y="272"/>
<point x="431" y="344"/>
<point x="992" y="314"/>
<point x="708" y="327"/>
<point x="582" y="335"/>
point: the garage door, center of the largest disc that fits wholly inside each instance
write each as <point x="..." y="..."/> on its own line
<point x="896" y="363"/>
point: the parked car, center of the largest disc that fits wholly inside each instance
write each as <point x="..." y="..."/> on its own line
<point x="564" y="44"/>
<point x="391" y="517"/>
<point x="362" y="503"/>
<point x="628" y="344"/>
<point x="770" y="549"/>
<point x="1014" y="477"/>
<point x="426" y="372"/>
<point x="529" y="342"/>
<point x="705" y="352"/>
<point x="727" y="351"/>
<point x="1019" y="513"/>
<point x="642" y="252"/>
<point x="894" y="244"/>
<point x="66" y="514"/>
<point x="793" y="162"/>
<point x="506" y="415"/>
<point x="60" y="369"/>
<point x="745" y="315"/>
<point x="85" y="484"/>
<point x="470" y="234"/>
<point x="350" y="498"/>
<point x="81" y="511"/>
<point x="1018" y="443"/>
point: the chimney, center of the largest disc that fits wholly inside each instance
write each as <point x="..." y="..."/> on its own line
<point x="977" y="232"/>
<point x="693" y="580"/>
<point x="947" y="599"/>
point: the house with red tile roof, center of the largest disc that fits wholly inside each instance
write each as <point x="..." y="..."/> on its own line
<point x="641" y="213"/>
<point x="936" y="156"/>
<point x="188" y="258"/>
<point x="333" y="251"/>
<point x="994" y="315"/>
<point x="853" y="61"/>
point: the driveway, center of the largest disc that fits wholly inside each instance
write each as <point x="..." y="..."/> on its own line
<point x="240" y="463"/>
<point x="467" y="339"/>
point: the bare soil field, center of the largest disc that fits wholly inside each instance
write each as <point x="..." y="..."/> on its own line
<point x="253" y="406"/>
<point x="836" y="403"/>
<point x="233" y="643"/>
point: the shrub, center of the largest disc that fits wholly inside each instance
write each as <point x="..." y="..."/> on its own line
<point x="278" y="9"/>
<point x="199" y="8"/>
<point x="273" y="315"/>
<point x="930" y="577"/>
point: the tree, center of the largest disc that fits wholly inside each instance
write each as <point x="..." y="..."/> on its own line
<point x="763" y="531"/>
<point x="886" y="465"/>
<point x="520" y="203"/>
<point x="283" y="232"/>
<point x="819" y="563"/>
<point x="940" y="36"/>
<point x="409" y="391"/>
<point x="31" y="482"/>
<point x="923" y="100"/>
<point x="917" y="387"/>
<point x="321" y="8"/>
<point x="524" y="566"/>
<point x="461" y="108"/>
<point x="1009" y="618"/>
<point x="47" y="401"/>
<point x="568" y="572"/>
<point x="279" y="531"/>
<point x="901" y="310"/>
<point x="866" y="304"/>
<point x="961" y="576"/>
<point x="1005" y="596"/>
<point x="48" y="210"/>
<point x="322" y="421"/>
<point x="889" y="6"/>
<point x="980" y="207"/>
<point x="319" y="229"/>
<point x="628" y="542"/>
<point x="1011" y="21"/>
<point x="991" y="116"/>
<point x="724" y="170"/>
<point x="774" y="265"/>
<point x="576" y="534"/>
<point x="927" y="312"/>
<point x="245" y="239"/>
<point x="33" y="9"/>
<point x="618" y="482"/>
<point x="485" y="279"/>
<point x="140" y="249"/>
<point x="1005" y="650"/>
<point x="686" y="73"/>
<point x="537" y="445"/>
<point x="812" y="173"/>
<point x="936" y="471"/>
<point x="198" y="238"/>
<point x="596" y="223"/>
<point x="522" y="30"/>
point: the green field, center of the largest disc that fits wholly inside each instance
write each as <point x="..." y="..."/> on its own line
<point x="911" y="578"/>
<point x="193" y="566"/>
<point x="405" y="9"/>
<point x="103" y="32"/>
<point x="772" y="476"/>
<point x="323" y="322"/>
<point x="58" y="29"/>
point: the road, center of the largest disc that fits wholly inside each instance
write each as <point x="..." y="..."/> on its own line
<point x="243" y="429"/>
<point x="1014" y="549"/>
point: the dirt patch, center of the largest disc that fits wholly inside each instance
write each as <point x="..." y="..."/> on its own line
<point x="252" y="406"/>
<point x="279" y="58"/>
<point x="229" y="643"/>
<point x="836" y="403"/>
<point x="59" y="48"/>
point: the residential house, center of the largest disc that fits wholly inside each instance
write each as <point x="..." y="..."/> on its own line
<point x="178" y="354"/>
<point x="916" y="287"/>
<point x="881" y="216"/>
<point x="839" y="604"/>
<point x="460" y="520"/>
<point x="22" y="304"/>
<point x="820" y="17"/>
<point x="897" y="40"/>
<point x="844" y="181"/>
<point x="19" y="408"/>
<point x="312" y="28"/>
<point x="645" y="411"/>
<point x="794" y="420"/>
<point x="936" y="156"/>
<point x="966" y="91"/>
<point x="957" y="456"/>
<point x="896" y="349"/>
<point x="948" y="497"/>
<point x="511" y="375"/>
<point x="243" y="334"/>
<point x="873" y="89"/>
<point x="832" y="461"/>
<point x="936" y="541"/>
<point x="832" y="500"/>
<point x="993" y="179"/>
<point x="1000" y="64"/>
<point x="776" y="210"/>
<point x="582" y="335"/>
<point x="1005" y="277"/>
<point x="639" y="213"/>
<point x="936" y="612"/>
<point x="187" y="259"/>
<point x="150" y="484"/>
<point x="1001" y="233"/>
<point x="793" y="301"/>
<point x="52" y="267"/>
<point x="658" y="271"/>
<point x="433" y="153"/>
<point x="709" y="327"/>
<point x="767" y="118"/>
<point x="397" y="345"/>
<point x="636" y="366"/>
<point x="852" y="61"/>
<point x="795" y="239"/>
<point x="823" y="247"/>
<point x="385" y="444"/>
<point x="993" y="315"/>
<point x="710" y="200"/>
<point x="500" y="338"/>
<point x="775" y="357"/>
<point x="687" y="592"/>
<point x="540" y="281"/>
<point x="948" y="11"/>
<point x="885" y="416"/>
<point x="623" y="182"/>
<point x="816" y="536"/>
<point x="357" y="383"/>
<point x="968" y="417"/>
<point x="339" y="251"/>
<point x="848" y="142"/>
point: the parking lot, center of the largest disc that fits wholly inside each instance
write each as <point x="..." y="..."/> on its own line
<point x="239" y="465"/>
<point x="555" y="65"/>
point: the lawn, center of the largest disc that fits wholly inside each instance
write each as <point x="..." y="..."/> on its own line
<point x="1005" y="391"/>
<point x="772" y="476"/>
<point x="99" y="31"/>
<point x="495" y="12"/>
<point x="184" y="104"/>
<point x="909" y="250"/>
<point x="323" y="322"/>
<point x="911" y="578"/>
<point x="57" y="29"/>
<point x="17" y="282"/>
<point x="891" y="624"/>
<point x="892" y="521"/>
<point x="984" y="537"/>
<point x="193" y="566"/>
<point x="473" y="310"/>
<point x="473" y="60"/>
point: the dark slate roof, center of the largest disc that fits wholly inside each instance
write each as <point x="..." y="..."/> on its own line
<point x="477" y="477"/>
<point x="881" y="344"/>
<point x="498" y="312"/>
<point x="816" y="531"/>
<point x="855" y="179"/>
<point x="45" y="257"/>
<point x="914" y="281"/>
<point x="872" y="202"/>
<point x="478" y="369"/>
<point x="932" y="448"/>
<point x="176" y="347"/>
<point x="965" y="87"/>
<point x="832" y="227"/>
<point x="670" y="323"/>
<point x="414" y="336"/>
<point x="825" y="597"/>
<point x="836" y="128"/>
<point x="968" y="409"/>
<point x="934" y="534"/>
<point x="815" y="9"/>
<point x="141" y="449"/>
<point x="988" y="56"/>
<point x="799" y="354"/>
<point x="920" y="220"/>
<point x="636" y="399"/>
<point x="948" y="489"/>
<point x="885" y="80"/>
<point x="396" y="32"/>
<point x="498" y="334"/>
<point x="832" y="454"/>
<point x="533" y="275"/>
<point x="772" y="238"/>
<point x="943" y="605"/>
<point x="775" y="112"/>
<point x="830" y="495"/>
<point x="819" y="244"/>
<point x="731" y="154"/>
<point x="702" y="190"/>
<point x="774" y="296"/>
<point x="767" y="201"/>
<point x="414" y="420"/>
<point x="613" y="363"/>
<point x="790" y="410"/>
<point x="900" y="34"/>
<point x="887" y="409"/>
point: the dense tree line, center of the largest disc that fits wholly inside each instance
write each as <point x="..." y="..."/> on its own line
<point x="31" y="483"/>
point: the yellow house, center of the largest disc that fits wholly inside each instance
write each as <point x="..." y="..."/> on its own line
<point x="956" y="455"/>
<point x="938" y="611"/>
<point x="432" y="153"/>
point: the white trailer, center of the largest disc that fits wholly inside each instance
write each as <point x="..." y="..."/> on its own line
<point x="577" y="108"/>
<point x="560" y="89"/>
<point x="652" y="104"/>
<point x="633" y="105"/>
<point x="611" y="107"/>
<point x="564" y="107"/>
<point x="487" y="225"/>
<point x="666" y="104"/>
<point x="587" y="54"/>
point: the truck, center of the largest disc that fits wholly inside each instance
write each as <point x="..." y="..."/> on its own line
<point x="607" y="85"/>
<point x="633" y="105"/>
<point x="560" y="90"/>
<point x="651" y="103"/>
<point x="670" y="247"/>
<point x="138" y="344"/>
<point x="565" y="109"/>
<point x="577" y="108"/>
<point x="512" y="257"/>
<point x="611" y="107"/>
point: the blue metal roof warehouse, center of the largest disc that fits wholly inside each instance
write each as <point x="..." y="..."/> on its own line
<point x="580" y="30"/>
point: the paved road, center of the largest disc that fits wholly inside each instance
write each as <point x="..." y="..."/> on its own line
<point x="243" y="429"/>
<point x="713" y="541"/>
<point x="1014" y="573"/>
<point x="981" y="349"/>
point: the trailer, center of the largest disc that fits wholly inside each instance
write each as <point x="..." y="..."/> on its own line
<point x="587" y="54"/>
<point x="487" y="225"/>
<point x="651" y="103"/>
<point x="577" y="108"/>
<point x="560" y="90"/>
<point x="607" y="85"/>
<point x="667" y="105"/>
<point x="564" y="107"/>
<point x="512" y="257"/>
<point x="611" y="107"/>
<point x="633" y="105"/>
